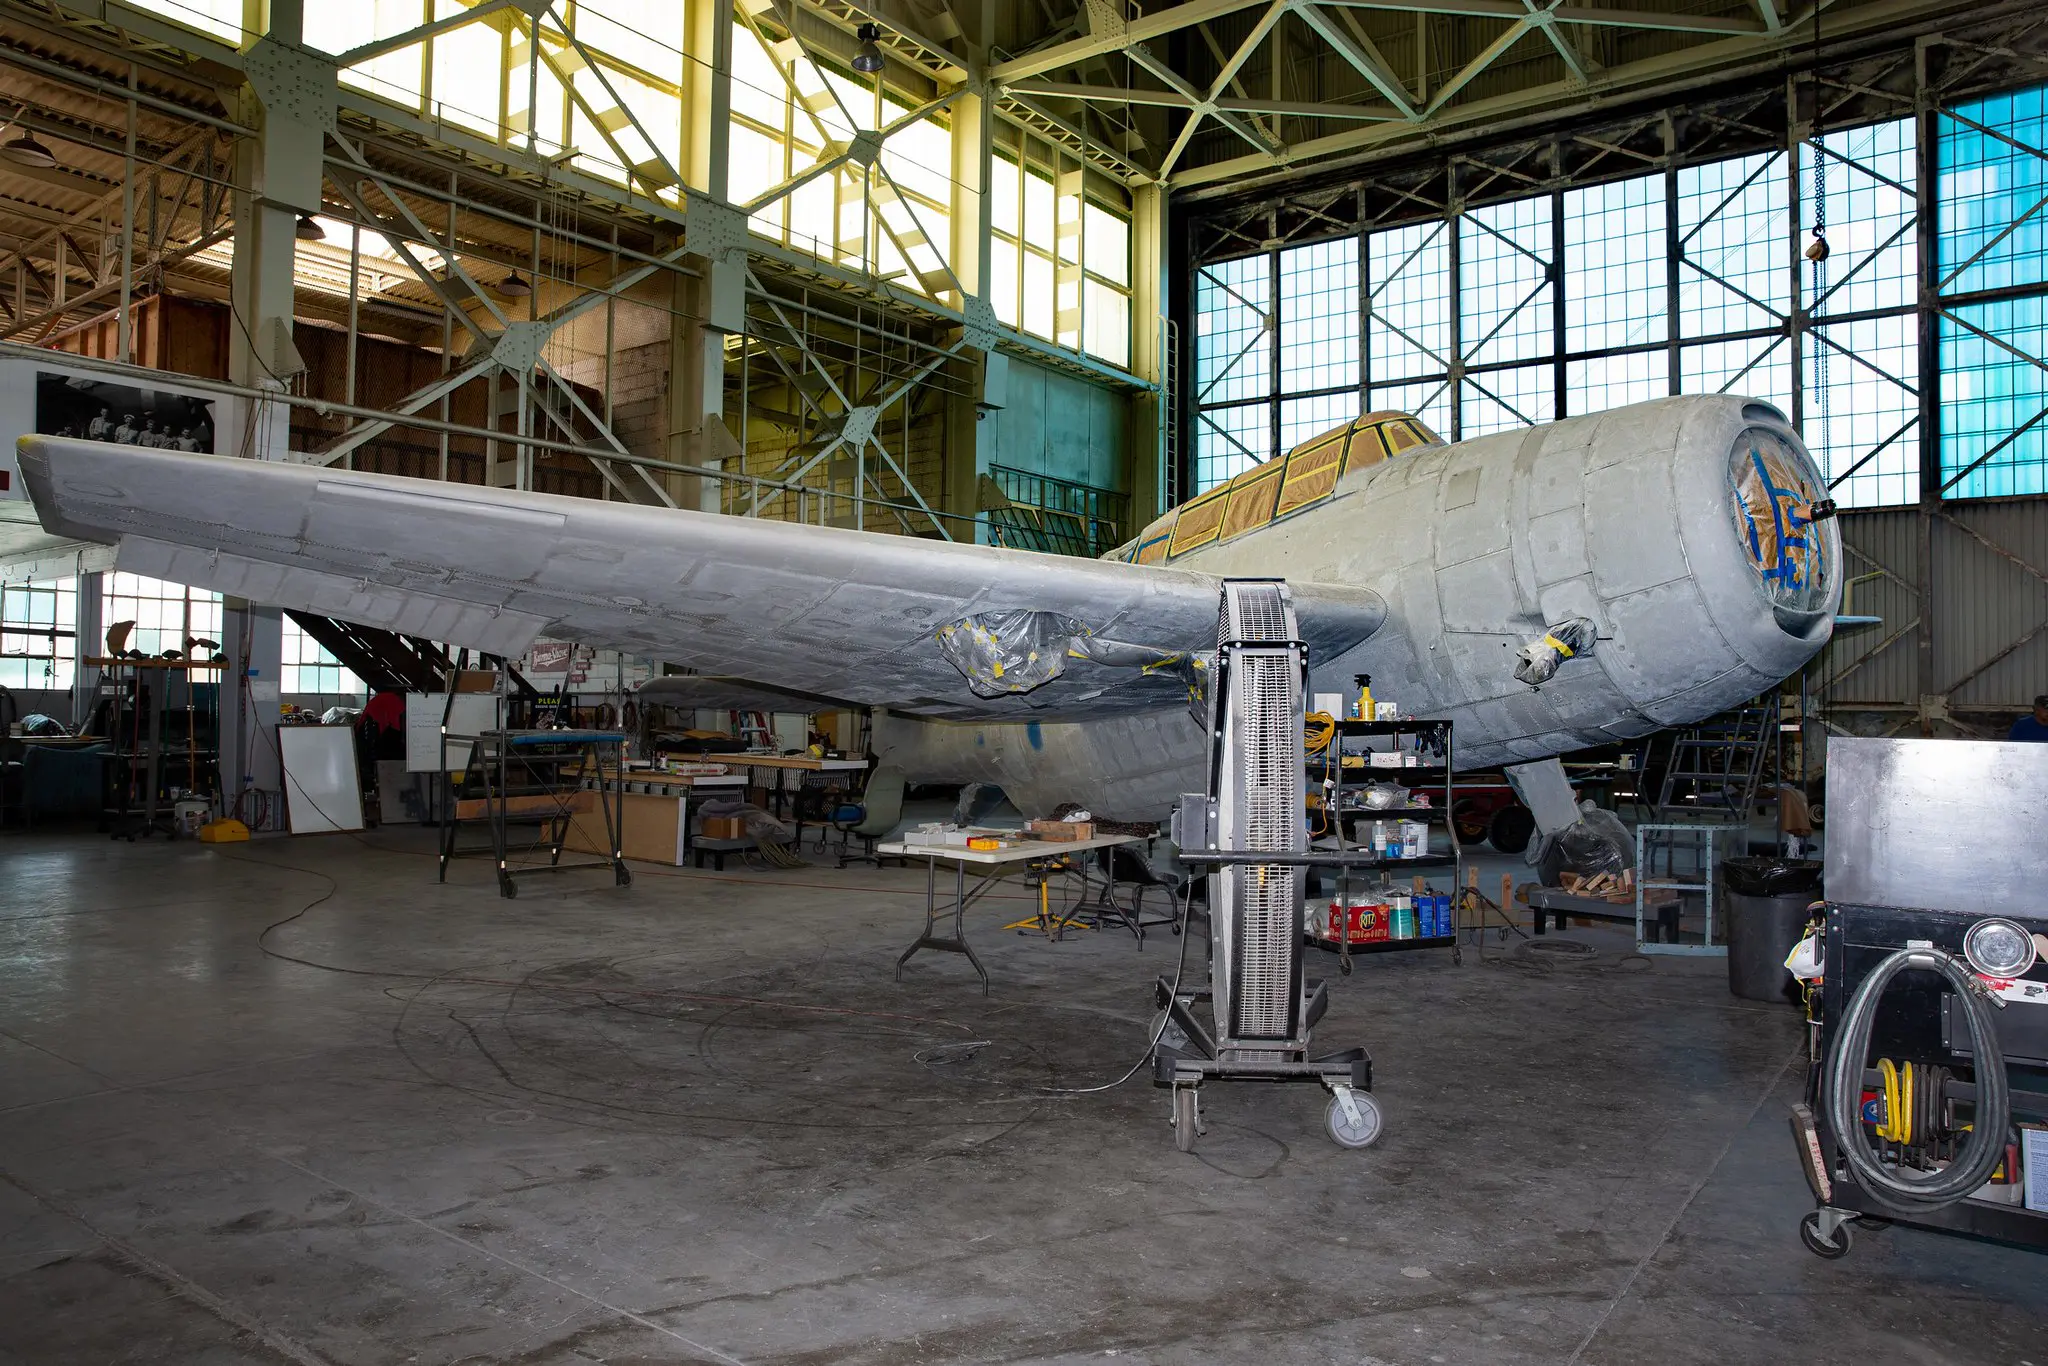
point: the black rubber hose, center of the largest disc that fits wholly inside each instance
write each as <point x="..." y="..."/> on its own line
<point x="1900" y="1188"/>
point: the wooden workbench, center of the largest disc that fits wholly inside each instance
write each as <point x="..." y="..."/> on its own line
<point x="658" y="810"/>
<point x="802" y="767"/>
<point x="802" y="763"/>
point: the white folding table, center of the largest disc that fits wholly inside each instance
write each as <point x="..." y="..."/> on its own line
<point x="1017" y="855"/>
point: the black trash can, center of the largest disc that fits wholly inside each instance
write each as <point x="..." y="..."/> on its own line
<point x="1765" y="901"/>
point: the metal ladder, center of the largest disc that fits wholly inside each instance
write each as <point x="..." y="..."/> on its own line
<point x="1711" y="770"/>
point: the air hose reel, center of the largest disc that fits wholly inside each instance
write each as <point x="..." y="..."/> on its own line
<point x="1900" y="1188"/>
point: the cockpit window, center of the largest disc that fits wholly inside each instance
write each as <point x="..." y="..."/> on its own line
<point x="1305" y="476"/>
<point x="1775" y="496"/>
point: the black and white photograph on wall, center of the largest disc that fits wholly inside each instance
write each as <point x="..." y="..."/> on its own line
<point x="98" y="410"/>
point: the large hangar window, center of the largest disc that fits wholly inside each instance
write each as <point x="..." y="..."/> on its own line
<point x="1994" y="352"/>
<point x="1864" y="360"/>
<point x="1682" y="280"/>
<point x="38" y="647"/>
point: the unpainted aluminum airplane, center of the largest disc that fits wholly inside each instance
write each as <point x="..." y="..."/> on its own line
<point x="1546" y="589"/>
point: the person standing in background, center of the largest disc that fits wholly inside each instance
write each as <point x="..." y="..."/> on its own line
<point x="2034" y="725"/>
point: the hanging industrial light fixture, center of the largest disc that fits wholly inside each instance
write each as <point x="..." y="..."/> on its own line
<point x="868" y="60"/>
<point x="514" y="286"/>
<point x="25" y="150"/>
<point x="309" y="229"/>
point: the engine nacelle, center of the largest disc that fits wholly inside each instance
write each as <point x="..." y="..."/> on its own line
<point x="1684" y="530"/>
<point x="1688" y="538"/>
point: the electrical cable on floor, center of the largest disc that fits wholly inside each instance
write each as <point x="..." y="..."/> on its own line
<point x="926" y="1056"/>
<point x="1158" y="1026"/>
<point x="1543" y="954"/>
<point x="1556" y="948"/>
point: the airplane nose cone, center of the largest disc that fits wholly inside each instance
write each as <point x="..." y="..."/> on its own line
<point x="1786" y="530"/>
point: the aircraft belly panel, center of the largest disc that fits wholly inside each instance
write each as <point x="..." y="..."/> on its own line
<point x="1131" y="768"/>
<point x="1557" y="545"/>
<point x="1643" y="432"/>
<point x="1665" y="642"/>
<point x="1557" y="479"/>
<point x="1482" y="664"/>
<point x="1638" y="543"/>
<point x="1475" y="493"/>
<point x="1478" y="594"/>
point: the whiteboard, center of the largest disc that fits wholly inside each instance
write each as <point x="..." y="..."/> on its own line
<point x="321" y="790"/>
<point x="474" y="713"/>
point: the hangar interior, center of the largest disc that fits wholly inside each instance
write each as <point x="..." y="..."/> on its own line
<point x="1485" y="557"/>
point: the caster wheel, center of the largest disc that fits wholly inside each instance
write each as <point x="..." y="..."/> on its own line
<point x="1809" y="1234"/>
<point x="1365" y="1132"/>
<point x="507" y="888"/>
<point x="622" y="876"/>
<point x="1187" y="1118"/>
<point x="1169" y="1034"/>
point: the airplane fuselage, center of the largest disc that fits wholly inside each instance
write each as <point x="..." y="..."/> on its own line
<point x="1644" y="521"/>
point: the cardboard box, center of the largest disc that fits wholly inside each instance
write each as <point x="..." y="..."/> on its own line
<point x="724" y="828"/>
<point x="652" y="829"/>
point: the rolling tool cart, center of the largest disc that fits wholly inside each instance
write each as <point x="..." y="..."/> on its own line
<point x="1927" y="1099"/>
<point x="542" y="778"/>
<point x="1248" y="830"/>
<point x="1349" y="818"/>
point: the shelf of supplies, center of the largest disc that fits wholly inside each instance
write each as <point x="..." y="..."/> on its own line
<point x="1343" y="787"/>
<point x="1361" y="858"/>
<point x="1382" y="811"/>
<point x="1434" y="941"/>
<point x="1406" y="725"/>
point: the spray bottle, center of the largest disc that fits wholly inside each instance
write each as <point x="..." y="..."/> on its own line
<point x="1364" y="706"/>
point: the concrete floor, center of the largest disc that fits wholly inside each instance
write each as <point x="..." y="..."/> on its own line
<point x="695" y="1120"/>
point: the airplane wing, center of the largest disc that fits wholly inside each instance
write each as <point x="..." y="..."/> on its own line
<point x="932" y="628"/>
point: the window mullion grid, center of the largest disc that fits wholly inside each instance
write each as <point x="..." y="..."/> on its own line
<point x="1926" y="152"/>
<point x="1560" y="399"/>
<point x="1673" y="250"/>
<point x="1364" y="344"/>
<point x="1454" y="353"/>
<point x="1277" y="320"/>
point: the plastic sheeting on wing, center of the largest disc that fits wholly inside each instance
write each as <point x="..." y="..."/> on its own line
<point x="1019" y="649"/>
<point x="1540" y="658"/>
<point x="1010" y="651"/>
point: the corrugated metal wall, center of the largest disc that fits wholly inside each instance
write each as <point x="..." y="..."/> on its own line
<point x="1987" y="623"/>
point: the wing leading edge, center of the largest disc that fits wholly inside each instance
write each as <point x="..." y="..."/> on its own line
<point x="861" y="617"/>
